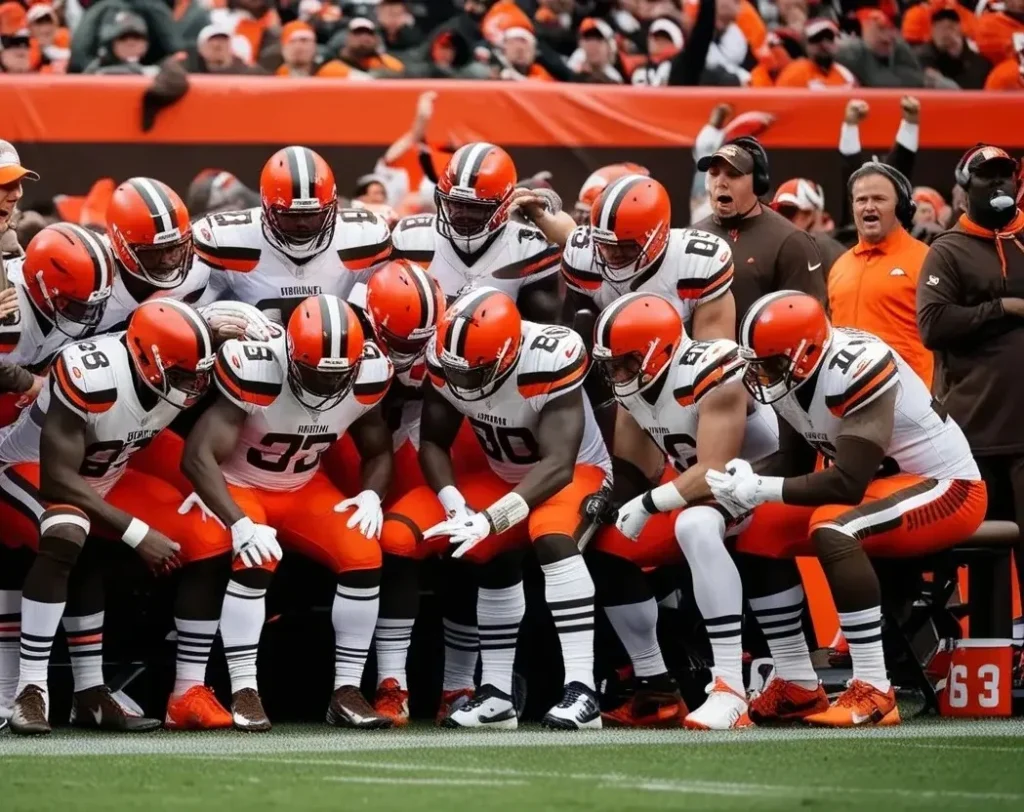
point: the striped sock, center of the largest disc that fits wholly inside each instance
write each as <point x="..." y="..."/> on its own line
<point x="354" y="615"/>
<point x="10" y="642"/>
<point x="499" y="613"/>
<point x="241" y="623"/>
<point x="85" y="645"/>
<point x="39" y="623"/>
<point x="780" y="617"/>
<point x="863" y="631"/>
<point x="569" y="592"/>
<point x="195" y="639"/>
<point x="461" y="651"/>
<point x="726" y="637"/>
<point x="393" y="636"/>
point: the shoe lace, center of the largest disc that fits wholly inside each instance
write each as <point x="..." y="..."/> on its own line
<point x="572" y="693"/>
<point x="855" y="693"/>
<point x="770" y="694"/>
<point x="205" y="699"/>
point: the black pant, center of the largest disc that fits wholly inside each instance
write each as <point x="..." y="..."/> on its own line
<point x="1004" y="478"/>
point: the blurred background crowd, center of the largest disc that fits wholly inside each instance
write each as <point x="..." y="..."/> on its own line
<point x="733" y="43"/>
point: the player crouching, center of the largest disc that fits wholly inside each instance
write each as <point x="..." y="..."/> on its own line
<point x="519" y="385"/>
<point x="254" y="459"/>
<point x="902" y="482"/>
<point x="688" y="396"/>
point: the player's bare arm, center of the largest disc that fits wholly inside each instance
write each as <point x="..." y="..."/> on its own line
<point x="62" y="447"/>
<point x="722" y="418"/>
<point x="559" y="435"/>
<point x="542" y="301"/>
<point x="208" y="444"/>
<point x="715" y="319"/>
<point x="439" y="425"/>
<point x="373" y="441"/>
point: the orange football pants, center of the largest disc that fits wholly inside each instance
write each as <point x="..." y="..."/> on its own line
<point x="420" y="510"/>
<point x="900" y="517"/>
<point x="306" y="523"/>
<point x="147" y="498"/>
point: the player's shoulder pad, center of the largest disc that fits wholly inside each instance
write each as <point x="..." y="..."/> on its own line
<point x="856" y="372"/>
<point x="375" y="375"/>
<point x="553" y="360"/>
<point x="84" y="375"/>
<point x="362" y="239"/>
<point x="703" y="366"/>
<point x="578" y="266"/>
<point x="704" y="266"/>
<point x="249" y="373"/>
<point x="229" y="240"/>
<point x="531" y="253"/>
<point x="413" y="237"/>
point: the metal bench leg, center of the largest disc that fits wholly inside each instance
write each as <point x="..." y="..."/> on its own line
<point x="991" y="602"/>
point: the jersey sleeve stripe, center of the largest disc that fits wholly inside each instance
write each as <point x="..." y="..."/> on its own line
<point x="706" y="289"/>
<point x="419" y="257"/>
<point x="363" y="256"/>
<point x="258" y="393"/>
<point x="371" y="392"/>
<point x="874" y="382"/>
<point x="533" y="384"/>
<point x="9" y="340"/>
<point x="724" y="370"/>
<point x="582" y="281"/>
<point x="92" y="402"/>
<point x="242" y="260"/>
<point x="547" y="260"/>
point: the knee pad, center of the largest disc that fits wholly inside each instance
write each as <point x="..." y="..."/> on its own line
<point x="699" y="526"/>
<point x="832" y="545"/>
<point x="64" y="522"/>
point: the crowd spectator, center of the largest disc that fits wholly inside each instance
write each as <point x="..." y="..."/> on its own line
<point x="300" y="57"/>
<point x="880" y="58"/>
<point x="947" y="51"/>
<point x="819" y="68"/>
<point x="398" y="27"/>
<point x="996" y="27"/>
<point x="217" y="51"/>
<point x="15" y="52"/>
<point x="96" y="31"/>
<point x="1009" y="74"/>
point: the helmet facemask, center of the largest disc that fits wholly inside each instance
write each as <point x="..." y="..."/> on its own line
<point x="618" y="261"/>
<point x="302" y="230"/>
<point x="73" y="317"/>
<point x="467" y="222"/>
<point x="323" y="386"/>
<point x="162" y="265"/>
<point x="178" y="385"/>
<point x="625" y="372"/>
<point x="476" y="382"/>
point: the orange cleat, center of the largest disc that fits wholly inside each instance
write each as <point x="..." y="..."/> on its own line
<point x="451" y="701"/>
<point x="196" y="709"/>
<point x="783" y="701"/>
<point x="649" y="708"/>
<point x="392" y="701"/>
<point x="859" y="704"/>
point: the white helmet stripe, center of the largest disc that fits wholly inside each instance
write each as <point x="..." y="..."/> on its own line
<point x="427" y="294"/>
<point x="334" y="325"/>
<point x="155" y="199"/>
<point x="101" y="252"/>
<point x="470" y="166"/>
<point x="612" y="197"/>
<point x="203" y="333"/>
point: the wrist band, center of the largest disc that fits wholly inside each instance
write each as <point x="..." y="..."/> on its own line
<point x="135" y="533"/>
<point x="507" y="512"/>
<point x="451" y="499"/>
<point x="770" y="488"/>
<point x="663" y="498"/>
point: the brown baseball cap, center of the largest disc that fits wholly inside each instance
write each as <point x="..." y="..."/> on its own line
<point x="11" y="169"/>
<point x="737" y="157"/>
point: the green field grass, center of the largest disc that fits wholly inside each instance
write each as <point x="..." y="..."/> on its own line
<point x="923" y="765"/>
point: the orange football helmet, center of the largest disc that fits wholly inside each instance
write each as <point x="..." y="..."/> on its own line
<point x="478" y="342"/>
<point x="403" y="304"/>
<point x="300" y="202"/>
<point x="69" y="273"/>
<point x="596" y="183"/>
<point x="635" y="339"/>
<point x="630" y="224"/>
<point x="798" y="194"/>
<point x="325" y="348"/>
<point x="783" y="339"/>
<point x="473" y="195"/>
<point x="150" y="232"/>
<point x="171" y="346"/>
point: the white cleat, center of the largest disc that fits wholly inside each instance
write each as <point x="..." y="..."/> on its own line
<point x="489" y="708"/>
<point x="724" y="709"/>
<point x="578" y="710"/>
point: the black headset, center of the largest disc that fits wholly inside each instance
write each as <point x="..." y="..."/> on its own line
<point x="905" y="205"/>
<point x="761" y="180"/>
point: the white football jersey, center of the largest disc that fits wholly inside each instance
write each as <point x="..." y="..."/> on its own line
<point x="695" y="268"/>
<point x="668" y="411"/>
<point x="94" y="380"/>
<point x="552" y="362"/>
<point x="244" y="265"/>
<point x="414" y="237"/>
<point x="855" y="371"/>
<point x="282" y="440"/>
<point x="31" y="339"/>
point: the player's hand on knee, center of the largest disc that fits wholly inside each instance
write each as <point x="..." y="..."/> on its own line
<point x="367" y="515"/>
<point x="454" y="503"/>
<point x="255" y="544"/>
<point x="465" y="532"/>
<point x="159" y="552"/>
<point x="194" y="500"/>
<point x="632" y="518"/>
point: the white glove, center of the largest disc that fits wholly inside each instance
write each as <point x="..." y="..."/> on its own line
<point x="740" y="487"/>
<point x="194" y="500"/>
<point x="454" y="503"/>
<point x="631" y="518"/>
<point x="255" y="544"/>
<point x="466" y="531"/>
<point x="367" y="513"/>
<point x="238" y="320"/>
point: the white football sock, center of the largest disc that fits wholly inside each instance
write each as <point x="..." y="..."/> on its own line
<point x="636" y="624"/>
<point x="241" y="624"/>
<point x="39" y="622"/>
<point x="700" y="532"/>
<point x="569" y="592"/>
<point x="10" y="643"/>
<point x="780" y="617"/>
<point x="392" y="638"/>
<point x="195" y="639"/>
<point x="863" y="633"/>
<point x="85" y="647"/>
<point x="354" y="615"/>
<point x="499" y="613"/>
<point x="461" y="650"/>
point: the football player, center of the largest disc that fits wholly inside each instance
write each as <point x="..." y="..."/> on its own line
<point x="901" y="482"/>
<point x="254" y="459"/>
<point x="688" y="396"/>
<point x="296" y="245"/>
<point x="108" y="397"/>
<point x="519" y="385"/>
<point x="471" y="242"/>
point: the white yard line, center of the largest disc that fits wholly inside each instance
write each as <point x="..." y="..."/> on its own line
<point x="981" y="748"/>
<point x="427" y="782"/>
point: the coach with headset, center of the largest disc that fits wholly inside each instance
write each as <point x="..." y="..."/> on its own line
<point x="873" y="286"/>
<point x="769" y="252"/>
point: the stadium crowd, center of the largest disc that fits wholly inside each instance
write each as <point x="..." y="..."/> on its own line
<point x="734" y="43"/>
